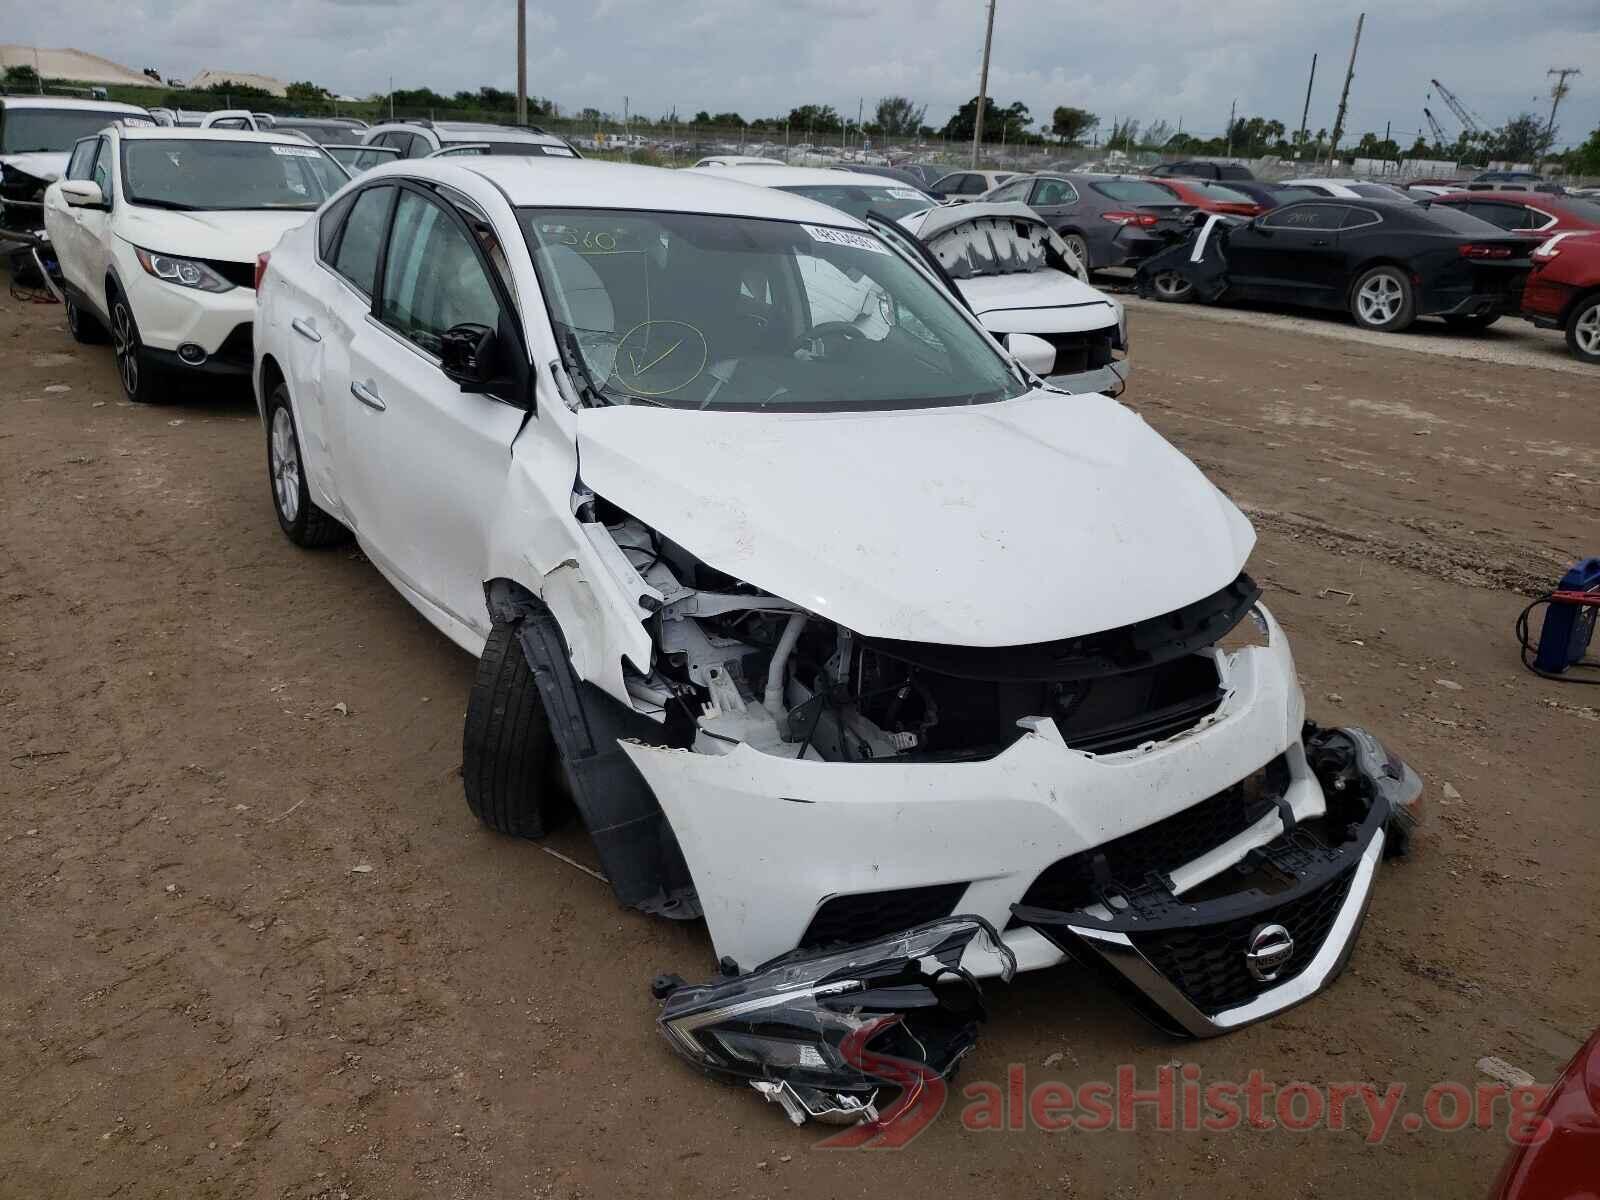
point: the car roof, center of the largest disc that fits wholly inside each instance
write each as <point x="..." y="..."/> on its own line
<point x="587" y="183"/>
<point x="72" y="102"/>
<point x="190" y="133"/>
<point x="471" y="131"/>
<point x="803" y="176"/>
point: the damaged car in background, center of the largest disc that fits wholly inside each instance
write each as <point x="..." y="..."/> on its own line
<point x="37" y="134"/>
<point x="849" y="634"/>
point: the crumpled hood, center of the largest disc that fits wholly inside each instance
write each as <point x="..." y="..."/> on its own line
<point x="226" y="236"/>
<point x="45" y="166"/>
<point x="1030" y="520"/>
<point x="1042" y="301"/>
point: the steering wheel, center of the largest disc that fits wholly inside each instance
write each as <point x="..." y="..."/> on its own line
<point x="818" y="333"/>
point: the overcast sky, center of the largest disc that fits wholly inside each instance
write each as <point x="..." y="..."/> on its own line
<point x="1162" y="59"/>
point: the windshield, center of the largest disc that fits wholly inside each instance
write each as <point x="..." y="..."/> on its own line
<point x="47" y="130"/>
<point x="1457" y="221"/>
<point x="699" y="311"/>
<point x="224" y="175"/>
<point x="891" y="200"/>
<point x="1218" y="192"/>
<point x="1378" y="191"/>
<point x="1135" y="191"/>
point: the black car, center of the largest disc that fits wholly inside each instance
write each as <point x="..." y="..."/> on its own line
<point x="1197" y="169"/>
<point x="1107" y="220"/>
<point x="1273" y="195"/>
<point x="1386" y="262"/>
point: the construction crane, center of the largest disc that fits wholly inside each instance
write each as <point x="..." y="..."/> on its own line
<point x="1439" y="138"/>
<point x="1468" y="122"/>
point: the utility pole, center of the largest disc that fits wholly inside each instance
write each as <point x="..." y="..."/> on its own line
<point x="983" y="88"/>
<point x="1305" y="112"/>
<point x="522" y="62"/>
<point x="1233" y="111"/>
<point x="1344" y="96"/>
<point x="1556" y="93"/>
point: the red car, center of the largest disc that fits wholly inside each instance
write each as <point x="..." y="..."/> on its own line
<point x="1518" y="211"/>
<point x="1565" y="1164"/>
<point x="1563" y="291"/>
<point x="1211" y="197"/>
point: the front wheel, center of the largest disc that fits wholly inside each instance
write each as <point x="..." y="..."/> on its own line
<point x="1583" y="330"/>
<point x="1172" y="288"/>
<point x="1383" y="301"/>
<point x="298" y="515"/>
<point x="82" y="326"/>
<point x="510" y="764"/>
<point x="134" y="367"/>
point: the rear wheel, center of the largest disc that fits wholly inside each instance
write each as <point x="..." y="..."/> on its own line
<point x="1172" y="288"/>
<point x="1471" y="322"/>
<point x="140" y="381"/>
<point x="510" y="764"/>
<point x="1583" y="330"/>
<point x="82" y="326"/>
<point x="1382" y="300"/>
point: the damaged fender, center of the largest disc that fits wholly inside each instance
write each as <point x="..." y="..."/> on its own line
<point x="1201" y="260"/>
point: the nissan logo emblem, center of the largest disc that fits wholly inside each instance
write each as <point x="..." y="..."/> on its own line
<point x="1270" y="950"/>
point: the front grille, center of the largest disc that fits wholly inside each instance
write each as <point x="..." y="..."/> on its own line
<point x="1207" y="964"/>
<point x="238" y="346"/>
<point x="862" y="916"/>
<point x="1086" y="351"/>
<point x="1126" y="863"/>
<point x="237" y="273"/>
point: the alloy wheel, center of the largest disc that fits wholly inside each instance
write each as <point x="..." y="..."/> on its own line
<point x="1587" y="331"/>
<point x="1170" y="285"/>
<point x="1380" y="299"/>
<point x="285" y="465"/>
<point x="125" y="345"/>
<point x="1079" y="248"/>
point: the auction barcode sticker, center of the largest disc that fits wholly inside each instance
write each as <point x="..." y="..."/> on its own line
<point x="845" y="237"/>
<point x="297" y="152"/>
<point x="906" y="194"/>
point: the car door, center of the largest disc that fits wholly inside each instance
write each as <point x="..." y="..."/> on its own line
<point x="1053" y="199"/>
<point x="1290" y="254"/>
<point x="425" y="463"/>
<point x="65" y="223"/>
<point x="91" y="237"/>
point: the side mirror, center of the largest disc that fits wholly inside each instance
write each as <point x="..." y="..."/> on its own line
<point x="470" y="355"/>
<point x="1038" y="355"/>
<point x="82" y="193"/>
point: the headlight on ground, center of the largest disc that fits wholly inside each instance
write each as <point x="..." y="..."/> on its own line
<point x="185" y="272"/>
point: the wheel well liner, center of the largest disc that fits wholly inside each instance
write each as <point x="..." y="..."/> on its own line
<point x="637" y="848"/>
<point x="268" y="378"/>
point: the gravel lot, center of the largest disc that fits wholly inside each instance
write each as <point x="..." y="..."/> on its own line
<point x="253" y="946"/>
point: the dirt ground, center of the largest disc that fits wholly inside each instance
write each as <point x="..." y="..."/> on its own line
<point x="251" y="945"/>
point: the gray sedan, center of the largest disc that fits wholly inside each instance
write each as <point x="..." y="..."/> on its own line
<point x="1107" y="220"/>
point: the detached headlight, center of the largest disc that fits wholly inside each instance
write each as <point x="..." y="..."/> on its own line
<point x="823" y="1033"/>
<point x="185" y="272"/>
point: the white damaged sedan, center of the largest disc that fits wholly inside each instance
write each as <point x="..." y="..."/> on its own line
<point x="838" y="628"/>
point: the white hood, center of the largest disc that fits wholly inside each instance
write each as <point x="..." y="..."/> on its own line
<point x="1042" y="301"/>
<point x="226" y="236"/>
<point x="1005" y="524"/>
<point x="43" y="165"/>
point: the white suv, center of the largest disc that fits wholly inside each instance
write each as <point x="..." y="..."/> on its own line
<point x="157" y="232"/>
<point x="37" y="134"/>
<point x="419" y="139"/>
<point x="828" y="623"/>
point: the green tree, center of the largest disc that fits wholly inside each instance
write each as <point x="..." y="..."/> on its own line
<point x="1585" y="159"/>
<point x="1156" y="135"/>
<point x="1072" y="125"/>
<point x="305" y="92"/>
<point x="1524" y="138"/>
<point x="814" y="118"/>
<point x="21" y="76"/>
<point x="1124" y="134"/>
<point x="1008" y="124"/>
<point x="897" y="116"/>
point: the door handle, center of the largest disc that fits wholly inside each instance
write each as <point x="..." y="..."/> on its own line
<point x="1319" y="241"/>
<point x="305" y="329"/>
<point x="367" y="396"/>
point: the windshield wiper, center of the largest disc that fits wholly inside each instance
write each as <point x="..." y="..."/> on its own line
<point x="173" y="205"/>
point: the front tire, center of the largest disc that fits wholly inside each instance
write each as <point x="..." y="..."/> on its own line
<point x="510" y="764"/>
<point x="1383" y="301"/>
<point x="1583" y="330"/>
<point x="1172" y="288"/>
<point x="84" y="329"/>
<point x="298" y="515"/>
<point x="139" y="375"/>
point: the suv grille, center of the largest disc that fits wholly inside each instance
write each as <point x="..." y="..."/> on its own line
<point x="862" y="916"/>
<point x="1207" y="963"/>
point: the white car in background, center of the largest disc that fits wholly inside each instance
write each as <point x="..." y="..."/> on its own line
<point x="157" y="232"/>
<point x="836" y="631"/>
<point x="1005" y="263"/>
<point x="37" y="134"/>
<point x="420" y="138"/>
<point x="738" y="160"/>
<point x="1349" y="189"/>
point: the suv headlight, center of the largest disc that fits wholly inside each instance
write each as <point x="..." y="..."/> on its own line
<point x="185" y="272"/>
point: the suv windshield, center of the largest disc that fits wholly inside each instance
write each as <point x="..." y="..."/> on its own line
<point x="219" y="174"/>
<point x="700" y="311"/>
<point x="888" y="199"/>
<point x="53" y="130"/>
